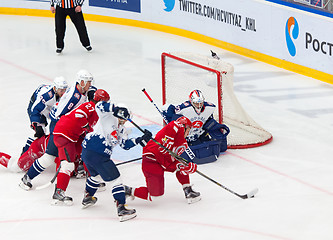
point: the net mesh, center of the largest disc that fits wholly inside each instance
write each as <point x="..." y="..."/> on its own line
<point x="185" y="72"/>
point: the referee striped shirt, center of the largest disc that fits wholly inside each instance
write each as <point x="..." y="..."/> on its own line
<point x="67" y="3"/>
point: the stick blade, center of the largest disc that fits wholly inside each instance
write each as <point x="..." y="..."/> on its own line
<point x="252" y="193"/>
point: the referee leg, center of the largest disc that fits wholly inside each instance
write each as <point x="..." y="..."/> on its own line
<point x="60" y="26"/>
<point x="78" y="21"/>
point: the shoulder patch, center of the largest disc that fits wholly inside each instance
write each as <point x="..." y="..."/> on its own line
<point x="50" y="94"/>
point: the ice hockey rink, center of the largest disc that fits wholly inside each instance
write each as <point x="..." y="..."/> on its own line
<point x="294" y="173"/>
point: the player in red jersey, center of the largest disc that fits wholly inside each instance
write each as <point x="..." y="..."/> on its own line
<point x="68" y="134"/>
<point x="156" y="160"/>
<point x="35" y="151"/>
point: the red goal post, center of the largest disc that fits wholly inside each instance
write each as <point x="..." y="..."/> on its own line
<point x="183" y="72"/>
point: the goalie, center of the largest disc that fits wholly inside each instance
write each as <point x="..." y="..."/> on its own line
<point x="207" y="138"/>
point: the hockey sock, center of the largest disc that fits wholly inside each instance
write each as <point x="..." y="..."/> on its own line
<point x="63" y="180"/>
<point x="183" y="179"/>
<point x="142" y="192"/>
<point x="91" y="186"/>
<point x="40" y="165"/>
<point x="35" y="169"/>
<point x="27" y="145"/>
<point x="66" y="169"/>
<point x="118" y="192"/>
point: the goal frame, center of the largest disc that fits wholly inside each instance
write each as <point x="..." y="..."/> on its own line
<point x="219" y="79"/>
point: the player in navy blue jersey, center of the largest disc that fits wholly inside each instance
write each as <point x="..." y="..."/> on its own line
<point x="97" y="150"/>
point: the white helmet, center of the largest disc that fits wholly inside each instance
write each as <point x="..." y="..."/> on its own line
<point x="84" y="75"/>
<point x="197" y="100"/>
<point x="60" y="83"/>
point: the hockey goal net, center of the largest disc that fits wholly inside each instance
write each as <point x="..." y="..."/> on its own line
<point x="184" y="72"/>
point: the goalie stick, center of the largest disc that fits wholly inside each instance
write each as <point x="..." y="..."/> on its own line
<point x="250" y="194"/>
<point x="151" y="100"/>
<point x="55" y="175"/>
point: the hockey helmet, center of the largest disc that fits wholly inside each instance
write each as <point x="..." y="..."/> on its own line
<point x="197" y="100"/>
<point x="101" y="95"/>
<point x="84" y="75"/>
<point x="60" y="83"/>
<point x="184" y="121"/>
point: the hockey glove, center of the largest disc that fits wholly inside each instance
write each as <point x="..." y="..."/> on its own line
<point x="121" y="112"/>
<point x="144" y="139"/>
<point x="224" y="129"/>
<point x="39" y="131"/>
<point x="187" y="169"/>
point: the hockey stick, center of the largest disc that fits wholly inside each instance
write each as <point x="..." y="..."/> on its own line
<point x="55" y="175"/>
<point x="184" y="161"/>
<point x="132" y="160"/>
<point x="50" y="182"/>
<point x="151" y="100"/>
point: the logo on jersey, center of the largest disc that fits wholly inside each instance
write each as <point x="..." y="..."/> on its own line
<point x="291" y="34"/>
<point x="114" y="134"/>
<point x="77" y="95"/>
<point x="197" y="124"/>
<point x="169" y="5"/>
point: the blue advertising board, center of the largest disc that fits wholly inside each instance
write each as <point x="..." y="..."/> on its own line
<point x="126" y="5"/>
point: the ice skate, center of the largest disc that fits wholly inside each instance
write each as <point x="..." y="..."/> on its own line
<point x="59" y="50"/>
<point x="191" y="195"/>
<point x="59" y="198"/>
<point x="88" y="48"/>
<point x="88" y="200"/>
<point x="125" y="214"/>
<point x="81" y="172"/>
<point x="129" y="192"/>
<point x="25" y="182"/>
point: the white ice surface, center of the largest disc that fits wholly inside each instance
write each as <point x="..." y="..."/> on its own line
<point x="294" y="173"/>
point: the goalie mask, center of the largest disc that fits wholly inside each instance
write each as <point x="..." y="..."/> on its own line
<point x="197" y="100"/>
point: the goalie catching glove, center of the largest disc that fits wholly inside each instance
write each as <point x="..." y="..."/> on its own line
<point x="187" y="169"/>
<point x="144" y="139"/>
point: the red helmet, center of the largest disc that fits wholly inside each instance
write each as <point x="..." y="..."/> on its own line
<point x="101" y="95"/>
<point x="185" y="121"/>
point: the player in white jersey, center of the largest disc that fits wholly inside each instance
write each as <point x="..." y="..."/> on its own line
<point x="41" y="102"/>
<point x="97" y="150"/>
<point x="205" y="128"/>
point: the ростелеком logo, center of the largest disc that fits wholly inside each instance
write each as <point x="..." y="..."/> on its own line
<point x="169" y="5"/>
<point x="291" y="35"/>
